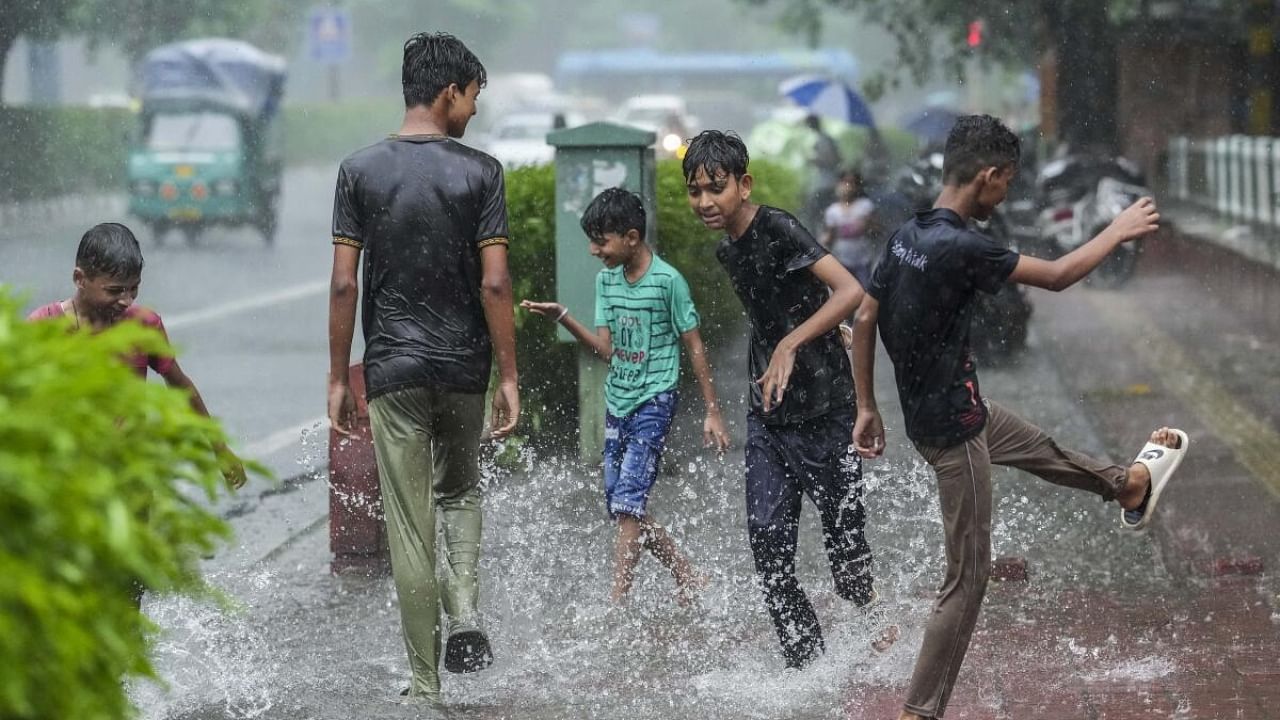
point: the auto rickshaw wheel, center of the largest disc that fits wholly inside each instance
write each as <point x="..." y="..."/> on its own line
<point x="158" y="232"/>
<point x="191" y="233"/>
<point x="268" y="221"/>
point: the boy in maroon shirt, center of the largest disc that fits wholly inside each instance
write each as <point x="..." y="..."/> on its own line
<point x="107" y="275"/>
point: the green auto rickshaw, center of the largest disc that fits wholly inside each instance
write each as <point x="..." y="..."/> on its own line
<point x="207" y="150"/>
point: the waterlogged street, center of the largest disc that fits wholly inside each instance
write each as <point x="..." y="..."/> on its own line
<point x="1107" y="624"/>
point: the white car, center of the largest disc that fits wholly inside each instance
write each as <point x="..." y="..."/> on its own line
<point x="665" y="115"/>
<point x="521" y="138"/>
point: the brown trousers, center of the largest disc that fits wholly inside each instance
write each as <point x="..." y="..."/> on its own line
<point x="964" y="489"/>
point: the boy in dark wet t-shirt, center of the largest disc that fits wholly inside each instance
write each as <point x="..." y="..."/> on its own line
<point x="429" y="215"/>
<point x="922" y="298"/>
<point x="800" y="421"/>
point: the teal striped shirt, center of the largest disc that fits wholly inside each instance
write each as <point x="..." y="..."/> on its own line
<point x="645" y="319"/>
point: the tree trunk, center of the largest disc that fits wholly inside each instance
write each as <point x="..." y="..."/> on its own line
<point x="1085" y="42"/>
<point x="7" y="40"/>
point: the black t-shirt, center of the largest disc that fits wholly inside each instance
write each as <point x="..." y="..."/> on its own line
<point x="421" y="207"/>
<point x="769" y="267"/>
<point x="925" y="284"/>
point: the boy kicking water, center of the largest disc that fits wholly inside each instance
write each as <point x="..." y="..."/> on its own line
<point x="643" y="311"/>
<point x="107" y="276"/>
<point x="922" y="296"/>
<point x="800" y="422"/>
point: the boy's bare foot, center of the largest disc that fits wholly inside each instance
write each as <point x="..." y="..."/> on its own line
<point x="887" y="638"/>
<point x="1135" y="490"/>
<point x="904" y="715"/>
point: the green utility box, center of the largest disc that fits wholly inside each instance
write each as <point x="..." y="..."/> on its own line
<point x="589" y="160"/>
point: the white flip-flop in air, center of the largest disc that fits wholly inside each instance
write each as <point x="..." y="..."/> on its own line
<point x="1161" y="462"/>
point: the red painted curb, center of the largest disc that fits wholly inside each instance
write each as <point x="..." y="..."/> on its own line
<point x="357" y="533"/>
<point x="1009" y="569"/>
<point x="1247" y="565"/>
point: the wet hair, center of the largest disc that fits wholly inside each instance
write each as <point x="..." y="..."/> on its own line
<point x="813" y="122"/>
<point x="977" y="142"/>
<point x="110" y="249"/>
<point x="613" y="211"/>
<point x="433" y="62"/>
<point x="716" y="152"/>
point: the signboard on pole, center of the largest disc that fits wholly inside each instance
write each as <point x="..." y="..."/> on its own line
<point x="329" y="35"/>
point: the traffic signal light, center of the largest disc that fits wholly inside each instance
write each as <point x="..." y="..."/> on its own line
<point x="976" y="29"/>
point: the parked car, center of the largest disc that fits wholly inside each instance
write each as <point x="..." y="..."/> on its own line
<point x="667" y="116"/>
<point x="521" y="138"/>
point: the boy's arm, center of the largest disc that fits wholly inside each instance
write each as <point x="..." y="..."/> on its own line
<point x="714" y="433"/>
<point x="846" y="294"/>
<point x="1140" y="218"/>
<point x="499" y="313"/>
<point x="868" y="430"/>
<point x="232" y="468"/>
<point x="344" y="292"/>
<point x="600" y="343"/>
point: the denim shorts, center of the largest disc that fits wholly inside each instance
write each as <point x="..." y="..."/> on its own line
<point x="633" y="447"/>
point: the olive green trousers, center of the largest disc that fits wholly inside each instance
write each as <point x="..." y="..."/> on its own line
<point x="427" y="444"/>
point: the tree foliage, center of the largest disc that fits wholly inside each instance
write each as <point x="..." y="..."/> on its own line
<point x="99" y="474"/>
<point x="136" y="26"/>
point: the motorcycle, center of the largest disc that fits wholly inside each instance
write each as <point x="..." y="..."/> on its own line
<point x="1000" y="321"/>
<point x="1080" y="195"/>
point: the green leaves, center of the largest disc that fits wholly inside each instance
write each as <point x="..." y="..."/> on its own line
<point x="95" y="468"/>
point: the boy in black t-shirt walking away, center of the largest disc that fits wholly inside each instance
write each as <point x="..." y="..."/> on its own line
<point x="800" y="422"/>
<point x="430" y="216"/>
<point x="922" y="297"/>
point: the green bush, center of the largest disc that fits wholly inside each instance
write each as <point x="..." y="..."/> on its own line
<point x="96" y="472"/>
<point x="57" y="151"/>
<point x="62" y="150"/>
<point x="548" y="367"/>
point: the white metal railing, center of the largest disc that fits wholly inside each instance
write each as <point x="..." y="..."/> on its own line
<point x="1237" y="176"/>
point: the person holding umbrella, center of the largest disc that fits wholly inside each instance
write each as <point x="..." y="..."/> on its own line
<point x="825" y="167"/>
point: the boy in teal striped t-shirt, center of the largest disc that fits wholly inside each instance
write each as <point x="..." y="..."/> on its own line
<point x="643" y="312"/>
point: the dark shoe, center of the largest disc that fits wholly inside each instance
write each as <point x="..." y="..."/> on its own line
<point x="467" y="651"/>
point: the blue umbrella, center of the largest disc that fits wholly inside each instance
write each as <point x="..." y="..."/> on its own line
<point x="932" y="125"/>
<point x="828" y="98"/>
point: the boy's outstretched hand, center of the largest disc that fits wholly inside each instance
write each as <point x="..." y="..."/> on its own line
<point x="545" y="309"/>
<point x="868" y="434"/>
<point x="1140" y="218"/>
<point x="232" y="467"/>
<point x="714" y="433"/>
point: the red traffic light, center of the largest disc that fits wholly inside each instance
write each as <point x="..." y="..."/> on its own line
<point x="975" y="33"/>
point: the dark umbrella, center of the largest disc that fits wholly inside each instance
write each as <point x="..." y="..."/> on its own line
<point x="931" y="124"/>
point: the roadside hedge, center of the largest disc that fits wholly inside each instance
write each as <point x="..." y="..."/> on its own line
<point x="64" y="150"/>
<point x="548" y="368"/>
<point x="60" y="151"/>
<point x="96" y="471"/>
